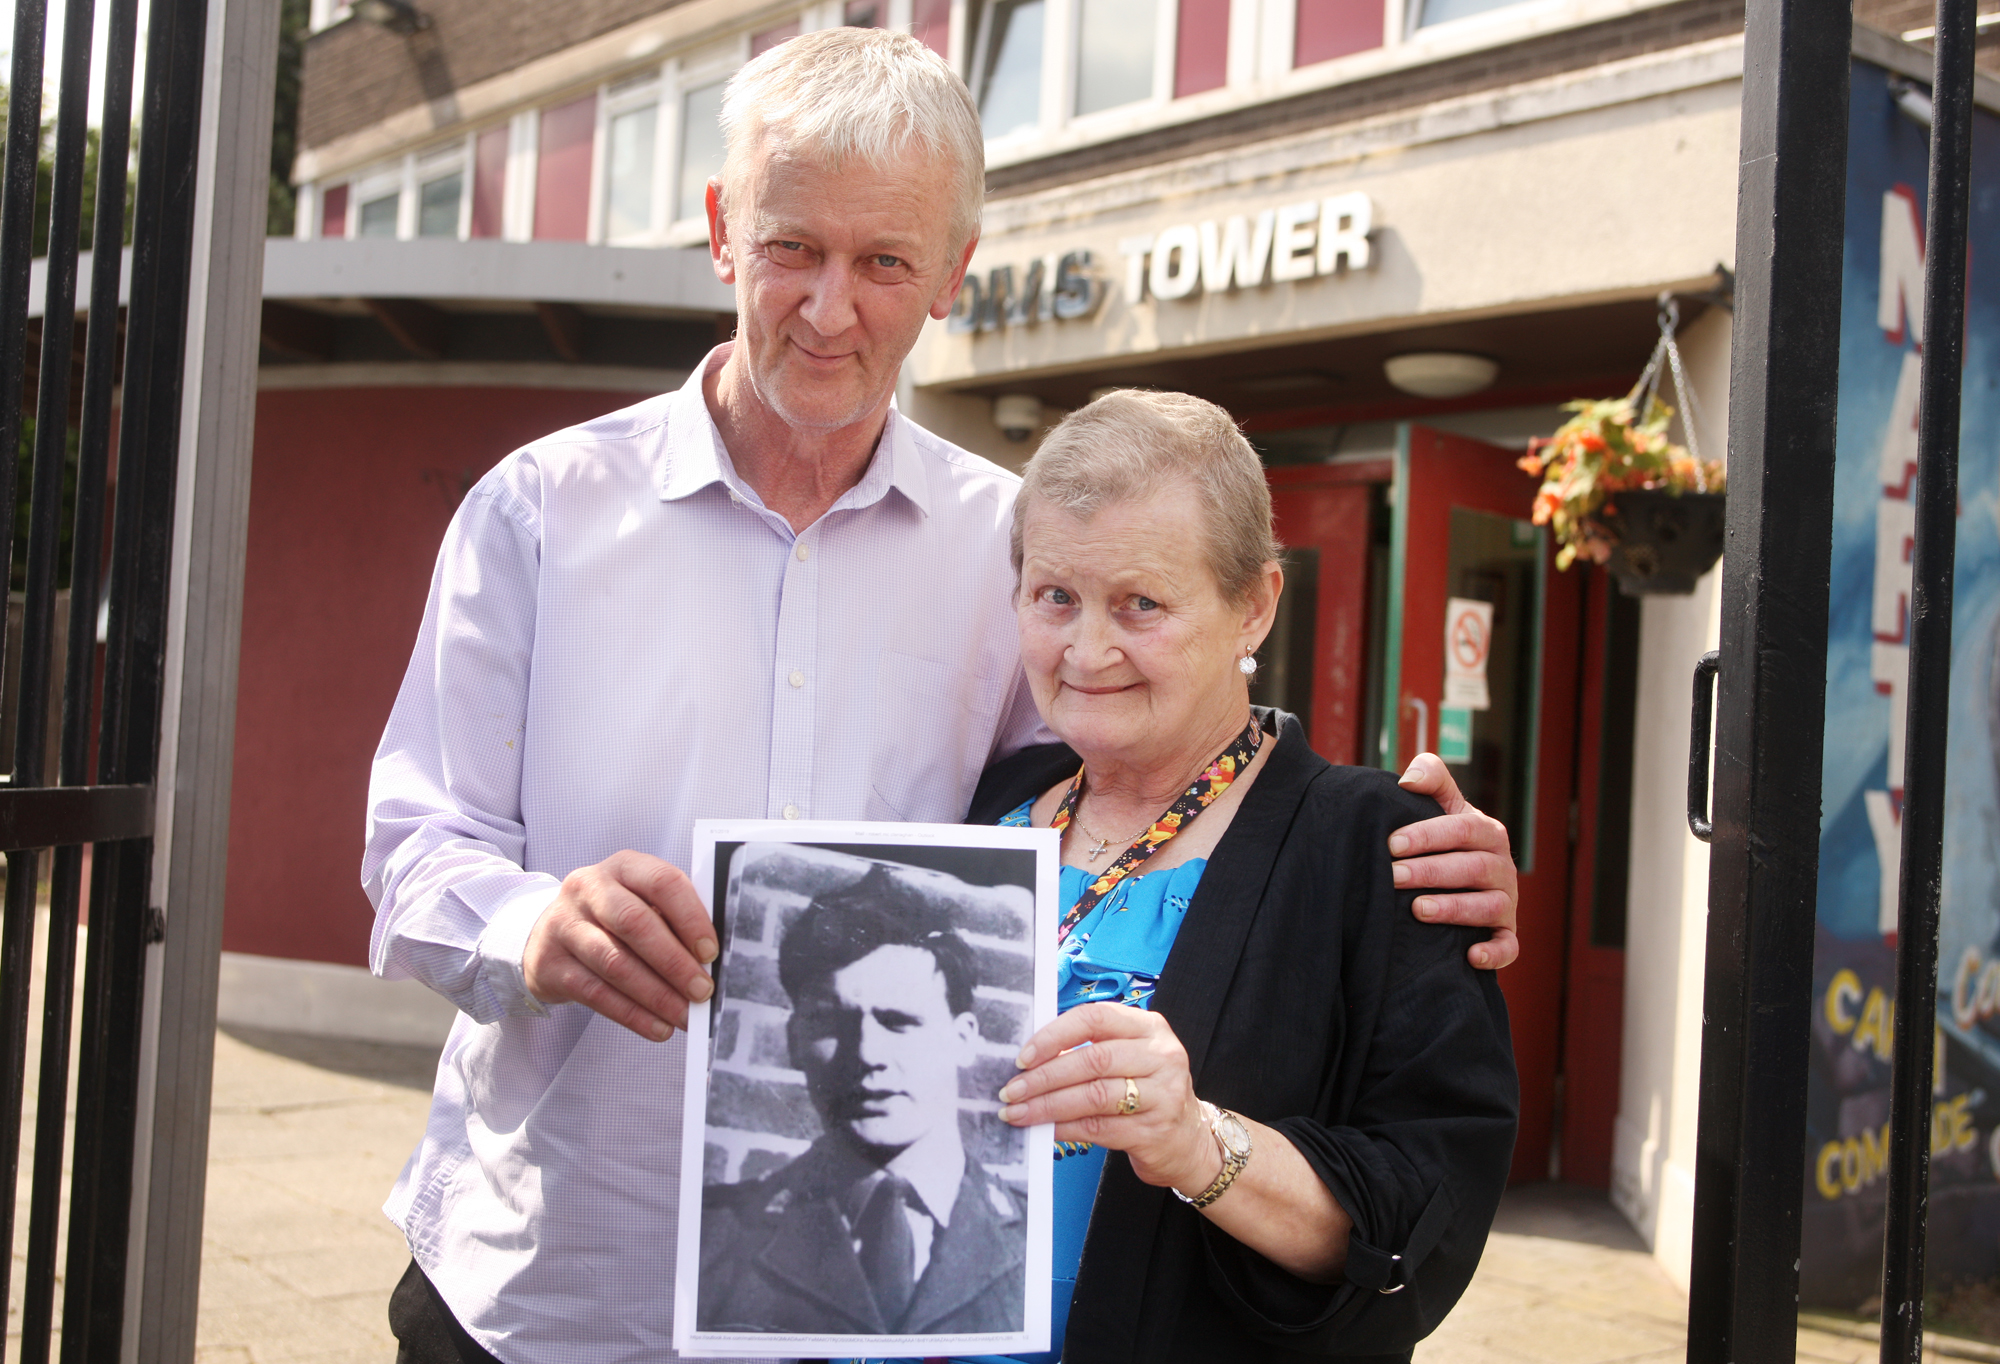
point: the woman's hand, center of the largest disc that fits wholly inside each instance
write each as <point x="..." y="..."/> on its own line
<point x="1081" y="1088"/>
<point x="1277" y="1206"/>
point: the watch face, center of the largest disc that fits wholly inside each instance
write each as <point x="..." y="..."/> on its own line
<point x="1235" y="1137"/>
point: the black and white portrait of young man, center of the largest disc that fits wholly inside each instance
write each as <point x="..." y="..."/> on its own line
<point x="856" y="1179"/>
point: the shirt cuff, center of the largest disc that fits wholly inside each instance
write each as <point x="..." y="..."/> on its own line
<point x="502" y="946"/>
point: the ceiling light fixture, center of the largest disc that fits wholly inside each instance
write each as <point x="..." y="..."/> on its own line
<point x="1440" y="373"/>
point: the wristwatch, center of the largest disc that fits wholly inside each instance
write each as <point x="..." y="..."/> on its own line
<point x="1232" y="1134"/>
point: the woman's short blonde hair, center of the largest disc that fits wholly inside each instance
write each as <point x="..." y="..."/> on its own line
<point x="1131" y="443"/>
<point x="862" y="94"/>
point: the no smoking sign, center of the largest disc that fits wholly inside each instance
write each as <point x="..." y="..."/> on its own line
<point x="1468" y="643"/>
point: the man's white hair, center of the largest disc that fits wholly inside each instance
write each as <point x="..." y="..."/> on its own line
<point x="866" y="94"/>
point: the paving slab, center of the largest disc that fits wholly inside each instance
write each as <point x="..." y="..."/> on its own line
<point x="308" y="1135"/>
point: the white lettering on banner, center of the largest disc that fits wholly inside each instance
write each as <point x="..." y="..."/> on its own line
<point x="1885" y="821"/>
<point x="1895" y="537"/>
<point x="1902" y="267"/>
<point x="1900" y="304"/>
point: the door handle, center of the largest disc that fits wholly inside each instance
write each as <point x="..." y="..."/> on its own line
<point x="1423" y="710"/>
<point x="1700" y="734"/>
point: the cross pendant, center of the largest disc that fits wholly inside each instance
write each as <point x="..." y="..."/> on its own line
<point x="1098" y="851"/>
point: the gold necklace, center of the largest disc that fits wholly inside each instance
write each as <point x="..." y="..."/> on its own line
<point x="1103" y="843"/>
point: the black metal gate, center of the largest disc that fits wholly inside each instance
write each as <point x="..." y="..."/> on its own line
<point x="1770" y="713"/>
<point x="79" y="803"/>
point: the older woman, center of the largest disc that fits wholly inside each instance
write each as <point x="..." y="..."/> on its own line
<point x="1290" y="1129"/>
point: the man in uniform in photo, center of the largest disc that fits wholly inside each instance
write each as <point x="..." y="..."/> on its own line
<point x="886" y="1225"/>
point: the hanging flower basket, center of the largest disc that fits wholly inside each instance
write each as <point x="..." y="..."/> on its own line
<point x="1618" y="492"/>
<point x="1665" y="540"/>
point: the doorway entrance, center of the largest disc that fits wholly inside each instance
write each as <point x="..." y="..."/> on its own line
<point x="1423" y="611"/>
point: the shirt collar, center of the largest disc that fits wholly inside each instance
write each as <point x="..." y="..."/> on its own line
<point x="695" y="456"/>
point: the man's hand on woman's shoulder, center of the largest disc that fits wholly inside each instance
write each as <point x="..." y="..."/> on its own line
<point x="1463" y="848"/>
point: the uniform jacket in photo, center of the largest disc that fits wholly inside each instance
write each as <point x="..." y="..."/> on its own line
<point x="1309" y="998"/>
<point x="778" y="1255"/>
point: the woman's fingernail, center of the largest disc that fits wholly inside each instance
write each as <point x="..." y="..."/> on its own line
<point x="1026" y="1057"/>
<point x="1011" y="1113"/>
<point x="1398" y="844"/>
<point x="662" y="1030"/>
<point x="706" y="950"/>
<point x="1011" y="1091"/>
<point x="1411" y="774"/>
<point x="702" y="988"/>
<point x="1426" y="908"/>
<point x="1399" y="873"/>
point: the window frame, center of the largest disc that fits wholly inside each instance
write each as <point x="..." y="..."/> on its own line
<point x="710" y="63"/>
<point x="435" y="163"/>
<point x="1262" y="38"/>
<point x="629" y="94"/>
<point x="372" y="186"/>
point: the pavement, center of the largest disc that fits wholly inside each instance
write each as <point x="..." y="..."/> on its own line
<point x="309" y="1133"/>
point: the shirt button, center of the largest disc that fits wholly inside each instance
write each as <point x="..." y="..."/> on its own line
<point x="791" y="812"/>
<point x="802" y="551"/>
<point x="797" y="679"/>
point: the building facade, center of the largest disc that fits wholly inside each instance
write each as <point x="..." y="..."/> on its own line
<point x="1390" y="236"/>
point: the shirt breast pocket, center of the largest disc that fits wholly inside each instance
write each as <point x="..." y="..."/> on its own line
<point x="933" y="727"/>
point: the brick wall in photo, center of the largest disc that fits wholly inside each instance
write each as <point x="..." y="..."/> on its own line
<point x="759" y="1114"/>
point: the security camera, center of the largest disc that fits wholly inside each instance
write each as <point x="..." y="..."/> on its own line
<point x="1017" y="415"/>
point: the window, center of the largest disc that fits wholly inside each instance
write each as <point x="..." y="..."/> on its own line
<point x="489" y="183"/>
<point x="1335" y="28"/>
<point x="701" y="149"/>
<point x="1430" y="12"/>
<point x="1007" y="60"/>
<point x="438" y="205"/>
<point x="1114" y="53"/>
<point x="628" y="166"/>
<point x="333" y="212"/>
<point x="378" y="216"/>
<point x="562" y="171"/>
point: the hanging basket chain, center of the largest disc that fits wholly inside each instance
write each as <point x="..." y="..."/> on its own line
<point x="1667" y="348"/>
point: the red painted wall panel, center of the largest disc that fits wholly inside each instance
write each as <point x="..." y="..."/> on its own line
<point x="351" y="490"/>
<point x="489" y="183"/>
<point x="1201" y="58"/>
<point x="1334" y="28"/>
<point x="760" y="43"/>
<point x="930" y="21"/>
<point x="333" y="212"/>
<point x="562" y="172"/>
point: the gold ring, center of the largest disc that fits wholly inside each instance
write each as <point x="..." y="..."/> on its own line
<point x="1129" y="1105"/>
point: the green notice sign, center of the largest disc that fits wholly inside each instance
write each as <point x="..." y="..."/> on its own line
<point x="1455" y="734"/>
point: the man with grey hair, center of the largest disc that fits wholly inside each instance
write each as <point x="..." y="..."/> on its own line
<point x="767" y="594"/>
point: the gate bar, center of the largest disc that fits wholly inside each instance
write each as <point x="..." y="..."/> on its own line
<point x="1929" y="696"/>
<point x="1771" y="707"/>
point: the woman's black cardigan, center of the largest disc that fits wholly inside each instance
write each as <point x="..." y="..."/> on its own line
<point x="1310" y="999"/>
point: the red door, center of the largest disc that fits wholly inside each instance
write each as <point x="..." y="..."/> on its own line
<point x="1470" y="578"/>
<point x="1315" y="663"/>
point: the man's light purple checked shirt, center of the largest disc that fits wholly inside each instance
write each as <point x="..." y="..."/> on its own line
<point x="621" y="639"/>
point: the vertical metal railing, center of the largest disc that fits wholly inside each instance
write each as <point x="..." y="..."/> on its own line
<point x="1770" y="708"/>
<point x="1929" y="685"/>
<point x="111" y="814"/>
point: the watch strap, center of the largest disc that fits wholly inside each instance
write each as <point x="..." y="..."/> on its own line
<point x="1232" y="1161"/>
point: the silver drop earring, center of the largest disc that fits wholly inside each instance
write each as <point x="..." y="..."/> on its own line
<point x="1247" y="665"/>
